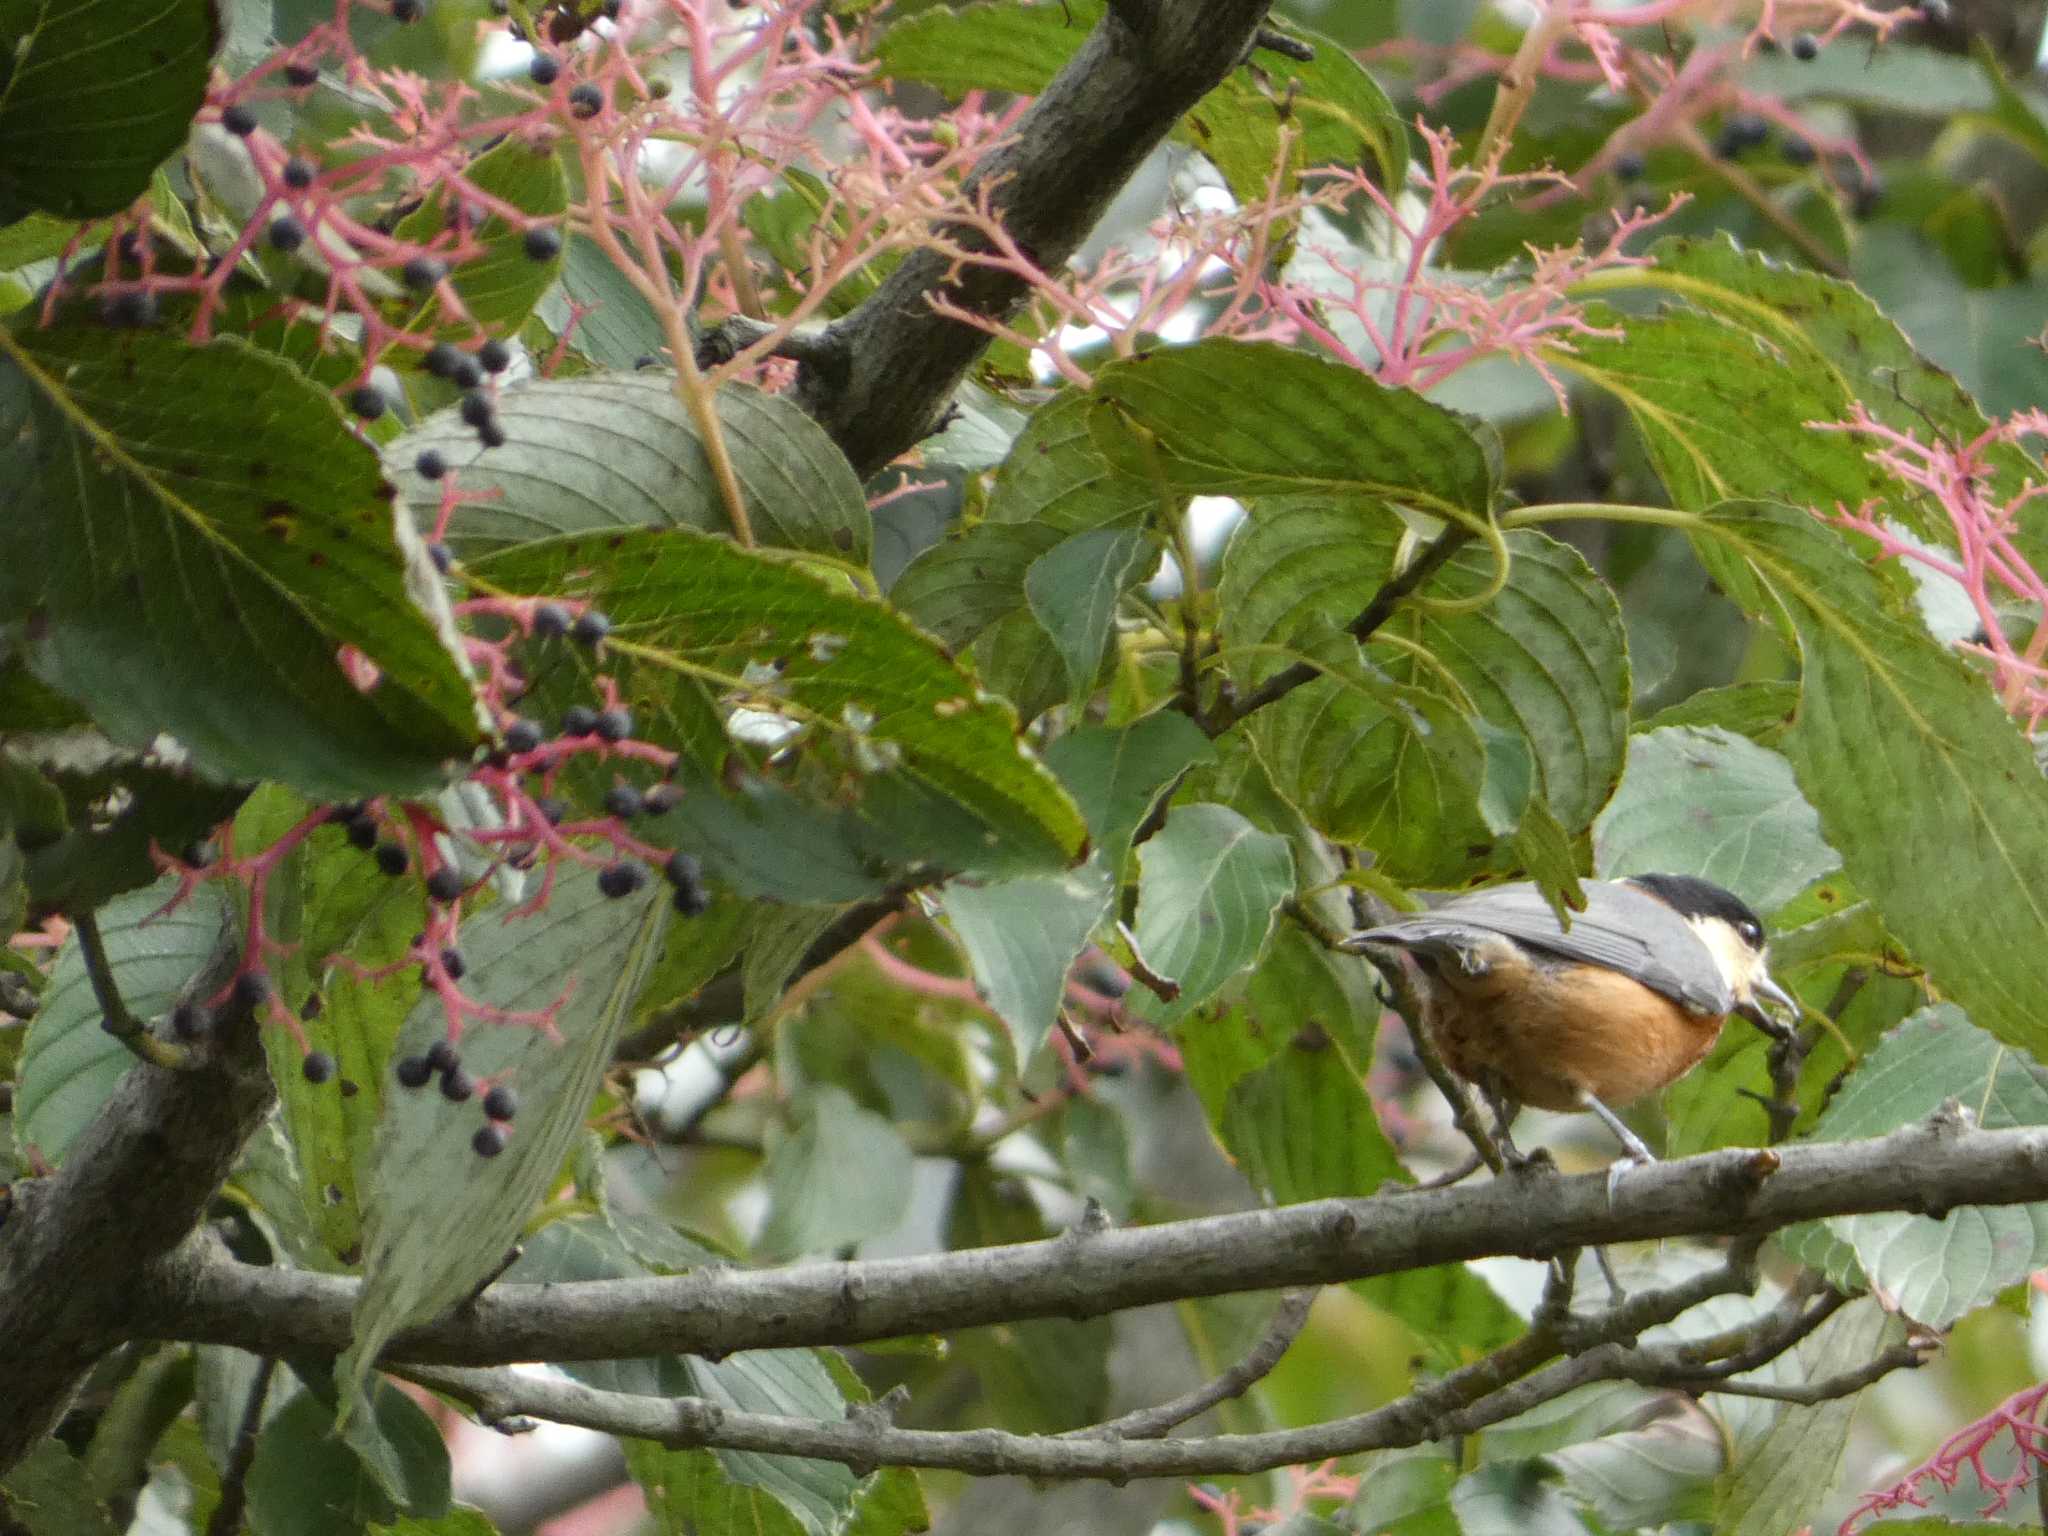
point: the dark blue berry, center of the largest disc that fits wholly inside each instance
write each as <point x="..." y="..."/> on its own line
<point x="690" y="901"/>
<point x="392" y="858"/>
<point x="362" y="831"/>
<point x="423" y="272"/>
<point x="661" y="799"/>
<point x="367" y="401"/>
<point x="298" y="173"/>
<point x="542" y="243"/>
<point x="491" y="434"/>
<point x="442" y="359"/>
<point x="318" y="1066"/>
<point x="550" y="621"/>
<point x="453" y="963"/>
<point x="489" y="1140"/>
<point x="617" y="880"/>
<point x="239" y="121"/>
<point x="543" y="70"/>
<point x="523" y="735"/>
<point x="586" y="101"/>
<point x="1806" y="47"/>
<point x="646" y="360"/>
<point x="301" y="75"/>
<point x="683" y="869"/>
<point x="579" y="720"/>
<point x="466" y="374"/>
<point x="441" y="1057"/>
<point x="1798" y="151"/>
<point x="494" y="355"/>
<point x="287" y="233"/>
<point x="476" y="407"/>
<point x="1629" y="166"/>
<point x="252" y="990"/>
<point x="406" y="12"/>
<point x="457" y="1084"/>
<point x="591" y="626"/>
<point x="615" y="724"/>
<point x="190" y="1020"/>
<point x="551" y="810"/>
<point x="622" y="801"/>
<point x="430" y="464"/>
<point x="413" y="1071"/>
<point x="445" y="884"/>
<point x="501" y="1103"/>
<point x="128" y="309"/>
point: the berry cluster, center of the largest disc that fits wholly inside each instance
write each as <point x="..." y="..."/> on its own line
<point x="500" y="1103"/>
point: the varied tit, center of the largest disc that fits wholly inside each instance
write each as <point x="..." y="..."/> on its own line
<point x="1626" y="1000"/>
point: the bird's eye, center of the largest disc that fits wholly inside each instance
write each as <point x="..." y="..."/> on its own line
<point x="1752" y="932"/>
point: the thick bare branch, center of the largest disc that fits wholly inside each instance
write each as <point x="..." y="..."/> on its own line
<point x="1931" y="1167"/>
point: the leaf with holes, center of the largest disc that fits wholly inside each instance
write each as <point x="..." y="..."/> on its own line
<point x="932" y="763"/>
<point x="618" y="450"/>
<point x="195" y="565"/>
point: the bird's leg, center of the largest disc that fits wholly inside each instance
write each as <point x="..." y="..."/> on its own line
<point x="1504" y="1111"/>
<point x="1634" y="1152"/>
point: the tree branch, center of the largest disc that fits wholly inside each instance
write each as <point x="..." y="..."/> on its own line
<point x="200" y="1294"/>
<point x="1257" y="1364"/>
<point x="895" y="362"/>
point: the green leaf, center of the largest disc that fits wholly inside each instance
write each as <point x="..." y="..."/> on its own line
<point x="1014" y="48"/>
<point x="1938" y="1271"/>
<point x="1073" y="589"/>
<point x="47" y="1492"/>
<point x="840" y="1177"/>
<point x="1117" y="773"/>
<point x="1759" y="711"/>
<point x="967" y="583"/>
<point x="307" y="1481"/>
<point x="196" y="563"/>
<point x="1022" y="937"/>
<point x="93" y="98"/>
<point x="35" y="238"/>
<point x="1056" y="477"/>
<point x="1237" y="418"/>
<point x="1209" y="884"/>
<point x="1708" y="803"/>
<point x="500" y="287"/>
<point x="69" y="1065"/>
<point x="619" y="451"/>
<point x="440" y="1218"/>
<point x="619" y="327"/>
<point x="1978" y="333"/>
<point x="688" y="1494"/>
<point x="933" y="762"/>
<point x="1779" y="1478"/>
<point x="1953" y="862"/>
<point x="1302" y="1128"/>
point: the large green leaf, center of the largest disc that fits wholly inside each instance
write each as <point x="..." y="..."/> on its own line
<point x="70" y="1065"/>
<point x="1938" y="1271"/>
<point x="619" y="327"/>
<point x="1923" y="784"/>
<point x="926" y="754"/>
<point x="1705" y="802"/>
<point x="840" y="1176"/>
<point x="94" y="97"/>
<point x="1235" y="418"/>
<point x="439" y="1217"/>
<point x="500" y="287"/>
<point x="1209" y="885"/>
<point x="1546" y="659"/>
<point x="307" y="1481"/>
<point x="1116" y="773"/>
<point x="1073" y="590"/>
<point x="1023" y="936"/>
<point x="619" y="450"/>
<point x="196" y="534"/>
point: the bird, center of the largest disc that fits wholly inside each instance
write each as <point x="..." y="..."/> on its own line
<point x="1590" y="1016"/>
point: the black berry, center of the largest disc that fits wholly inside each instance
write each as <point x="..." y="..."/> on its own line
<point x="1806" y="47"/>
<point x="501" y="1103"/>
<point x="430" y="464"/>
<point x="494" y="355"/>
<point x="476" y="407"/>
<point x="543" y="70"/>
<point x="239" y="121"/>
<point x="406" y="12"/>
<point x="690" y="901"/>
<point x="445" y="884"/>
<point x="661" y="799"/>
<point x="1629" y="166"/>
<point x="363" y="831"/>
<point x="542" y="243"/>
<point x="646" y="360"/>
<point x="586" y="100"/>
<point x="413" y="1071"/>
<point x="615" y="724"/>
<point x="457" y="1084"/>
<point x="287" y="233"/>
<point x="466" y="374"/>
<point x="453" y="963"/>
<point x="1798" y="151"/>
<point x="617" y="880"/>
<point x="128" y="309"/>
<point x="442" y="359"/>
<point x="441" y="1057"/>
<point x="298" y="173"/>
<point x="682" y="869"/>
<point x="523" y="735"/>
<point x="367" y="401"/>
<point x="550" y="621"/>
<point x="1867" y="197"/>
<point x="423" y="272"/>
<point x="301" y="75"/>
<point x="551" y="810"/>
<point x="490" y="434"/>
<point x="190" y="1020"/>
<point x="622" y="801"/>
<point x="489" y="1140"/>
<point x="579" y="720"/>
<point x="392" y="858"/>
<point x="252" y="990"/>
<point x="318" y="1067"/>
<point x="591" y="626"/>
<point x="1740" y="134"/>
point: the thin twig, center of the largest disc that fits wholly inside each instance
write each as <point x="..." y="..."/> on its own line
<point x="1257" y="1364"/>
<point x="1900" y="1357"/>
<point x="234" y="1478"/>
<point x="115" y="1017"/>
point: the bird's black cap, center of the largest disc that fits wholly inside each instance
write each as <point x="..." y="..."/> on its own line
<point x="1690" y="896"/>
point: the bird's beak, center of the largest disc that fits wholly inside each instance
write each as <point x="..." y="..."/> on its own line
<point x="1761" y="986"/>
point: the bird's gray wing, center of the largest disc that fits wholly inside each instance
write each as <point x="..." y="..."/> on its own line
<point x="1623" y="929"/>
